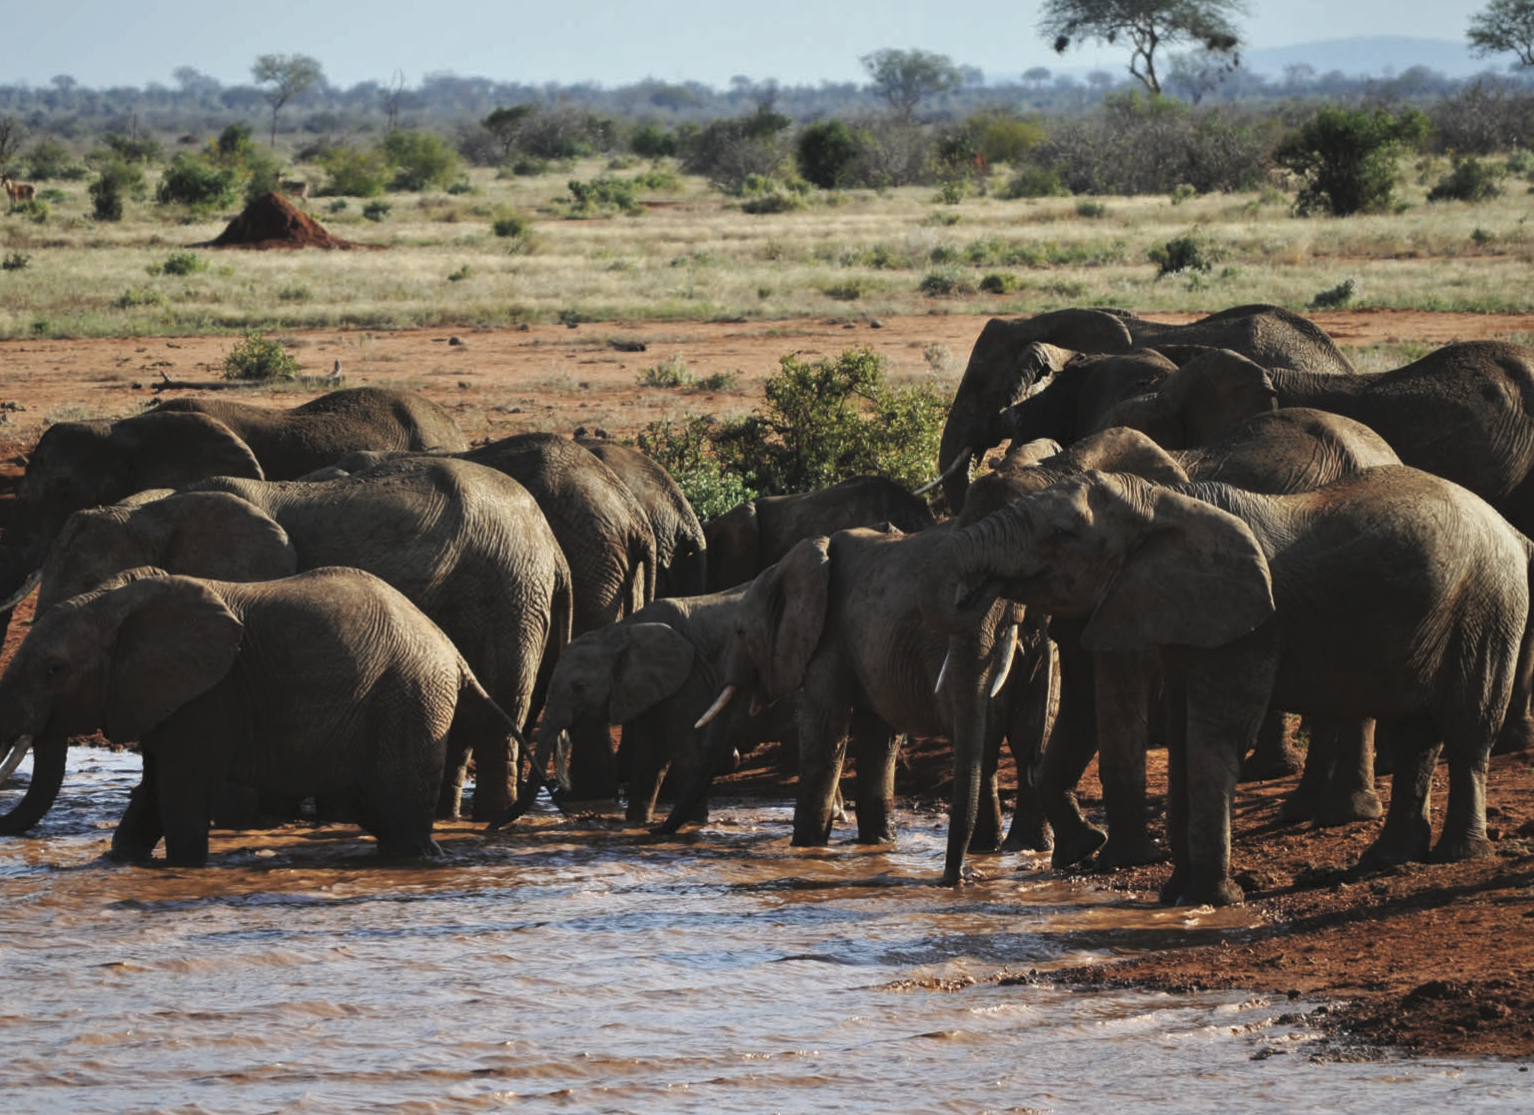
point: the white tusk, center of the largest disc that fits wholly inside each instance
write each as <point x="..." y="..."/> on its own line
<point x="962" y="459"/>
<point x="21" y="593"/>
<point x="18" y="752"/>
<point x="1006" y="662"/>
<point x="718" y="706"/>
<point x="942" y="673"/>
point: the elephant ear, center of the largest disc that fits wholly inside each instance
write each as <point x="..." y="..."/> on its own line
<point x="1121" y="449"/>
<point x="1197" y="578"/>
<point x="168" y="449"/>
<point x="176" y="639"/>
<point x="654" y="664"/>
<point x="733" y="542"/>
<point x="1215" y="392"/>
<point x="787" y="609"/>
<point x="221" y="536"/>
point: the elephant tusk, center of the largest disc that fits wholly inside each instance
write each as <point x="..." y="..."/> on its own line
<point x="21" y="594"/>
<point x="942" y="673"/>
<point x="18" y="752"/>
<point x="717" y="707"/>
<point x="1006" y="662"/>
<point x="961" y="460"/>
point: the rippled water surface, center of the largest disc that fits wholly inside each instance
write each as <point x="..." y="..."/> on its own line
<point x="576" y="967"/>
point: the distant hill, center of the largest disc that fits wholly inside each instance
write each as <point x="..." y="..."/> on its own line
<point x="1374" y="56"/>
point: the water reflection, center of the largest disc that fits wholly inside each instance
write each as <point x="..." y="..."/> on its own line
<point x="574" y="966"/>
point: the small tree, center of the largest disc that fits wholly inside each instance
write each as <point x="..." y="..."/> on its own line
<point x="824" y="152"/>
<point x="288" y="75"/>
<point x="1504" y="25"/>
<point x="505" y="124"/>
<point x="1347" y="157"/>
<point x="115" y="180"/>
<point x="421" y="159"/>
<point x="1147" y="25"/>
<point x="902" y="78"/>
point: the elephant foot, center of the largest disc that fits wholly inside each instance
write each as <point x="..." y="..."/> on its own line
<point x="1517" y="735"/>
<point x="410" y="849"/>
<point x="1363" y="805"/>
<point x="1076" y="846"/>
<point x="1462" y="848"/>
<point x="1209" y="892"/>
<point x="1268" y="763"/>
<point x="1029" y="834"/>
<point x="1391" y="850"/>
<point x="1129" y="852"/>
<point x="1298" y="808"/>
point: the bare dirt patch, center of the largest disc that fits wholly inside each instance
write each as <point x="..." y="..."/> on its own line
<point x="1438" y="959"/>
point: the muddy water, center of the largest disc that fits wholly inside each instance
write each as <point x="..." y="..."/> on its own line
<point x="574" y="967"/>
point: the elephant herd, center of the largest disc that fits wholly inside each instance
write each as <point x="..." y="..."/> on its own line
<point x="1194" y="530"/>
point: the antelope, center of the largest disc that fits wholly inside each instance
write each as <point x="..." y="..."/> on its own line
<point x="294" y="188"/>
<point x="19" y="191"/>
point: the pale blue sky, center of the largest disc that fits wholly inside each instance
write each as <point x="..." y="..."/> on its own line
<point x="113" y="42"/>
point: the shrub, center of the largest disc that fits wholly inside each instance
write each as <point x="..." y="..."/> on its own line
<point x="1034" y="181"/>
<point x="1184" y="253"/>
<point x="355" y="172"/>
<point x="729" y="151"/>
<point x="1000" y="283"/>
<point x="945" y="280"/>
<point x="1470" y="180"/>
<point x="1335" y="297"/>
<point x="50" y="159"/>
<point x="654" y="142"/>
<point x="137" y="296"/>
<point x="1347" y="158"/>
<point x="115" y="181"/>
<point x="1091" y="210"/>
<point x="685" y="448"/>
<point x="671" y="372"/>
<point x="512" y="225"/>
<point x="603" y="195"/>
<point x="421" y="160"/>
<point x="15" y="261"/>
<point x="463" y="272"/>
<point x="824" y="153"/>
<point x="377" y="209"/>
<point x="36" y="210"/>
<point x="179" y="263"/>
<point x="772" y="202"/>
<point x="191" y="180"/>
<point x="259" y="357"/>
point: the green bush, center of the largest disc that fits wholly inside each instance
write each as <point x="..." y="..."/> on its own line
<point x="1336" y="297"/>
<point x="355" y="172"/>
<point x="1470" y="180"/>
<point x="36" y="210"/>
<point x="1091" y="210"/>
<point x="1000" y="283"/>
<point x="1183" y="253"/>
<point x="134" y="297"/>
<point x="654" y="142"/>
<point x="50" y="159"/>
<point x="1347" y="158"/>
<point x="377" y="209"/>
<point x="179" y="263"/>
<point x="1034" y="181"/>
<point x="773" y="202"/>
<point x="15" y="261"/>
<point x="603" y="195"/>
<point x="685" y="448"/>
<point x="944" y="281"/>
<point x="258" y="358"/>
<point x="115" y="182"/>
<point x="191" y="180"/>
<point x="421" y="160"/>
<point x="512" y="225"/>
<point x="825" y="153"/>
<point x="670" y="372"/>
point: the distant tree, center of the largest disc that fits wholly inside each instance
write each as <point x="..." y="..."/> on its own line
<point x="288" y="75"/>
<point x="1147" y="25"/>
<point x="902" y="78"/>
<point x="1347" y="157"/>
<point x="824" y="151"/>
<point x="1037" y="76"/>
<point x="193" y="82"/>
<point x="505" y="124"/>
<point x="12" y="132"/>
<point x="1505" y="25"/>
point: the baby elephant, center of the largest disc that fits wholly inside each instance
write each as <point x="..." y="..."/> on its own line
<point x="329" y="682"/>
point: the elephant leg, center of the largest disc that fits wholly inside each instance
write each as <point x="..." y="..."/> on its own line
<point x="1305" y="802"/>
<point x="1275" y="755"/>
<point x="1413" y="746"/>
<point x="139" y="830"/>
<point x="455" y="772"/>
<point x="1124" y="691"/>
<point x="593" y="764"/>
<point x="643" y="743"/>
<point x="1464" y="821"/>
<point x="875" y="747"/>
<point x="1066" y="759"/>
<point x="822" y="752"/>
<point x="1028" y="732"/>
<point x="1349" y="792"/>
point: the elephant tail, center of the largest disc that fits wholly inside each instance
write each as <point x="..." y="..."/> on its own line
<point x="1517" y="732"/>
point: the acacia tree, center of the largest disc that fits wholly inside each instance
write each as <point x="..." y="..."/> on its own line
<point x="1504" y="25"/>
<point x="1146" y="25"/>
<point x="903" y="77"/>
<point x="288" y="75"/>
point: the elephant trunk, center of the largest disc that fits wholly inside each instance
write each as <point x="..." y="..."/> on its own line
<point x="48" y="756"/>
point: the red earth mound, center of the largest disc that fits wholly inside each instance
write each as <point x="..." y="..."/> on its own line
<point x="273" y="222"/>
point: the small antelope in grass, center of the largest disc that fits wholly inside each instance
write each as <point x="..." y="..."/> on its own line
<point x="18" y="191"/>
<point x="293" y="187"/>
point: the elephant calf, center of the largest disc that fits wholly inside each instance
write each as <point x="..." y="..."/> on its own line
<point x="325" y="683"/>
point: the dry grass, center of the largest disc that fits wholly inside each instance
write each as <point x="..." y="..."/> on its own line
<point x="694" y="255"/>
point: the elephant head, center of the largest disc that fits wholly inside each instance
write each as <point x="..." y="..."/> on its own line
<point x="782" y="615"/>
<point x="1203" y="400"/>
<point x="89" y="464"/>
<point x="121" y="659"/>
<point x="199" y="534"/>
<point x="1144" y="566"/>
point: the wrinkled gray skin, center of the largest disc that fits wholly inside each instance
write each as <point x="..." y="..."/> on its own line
<point x="655" y="672"/>
<point x="1250" y="599"/>
<point x="680" y="547"/>
<point x="1464" y="412"/>
<point x="750" y="537"/>
<point x="1277" y="452"/>
<point x="1001" y="370"/>
<point x="329" y="682"/>
<point x="465" y="544"/>
<point x="90" y="464"/>
<point x="837" y="620"/>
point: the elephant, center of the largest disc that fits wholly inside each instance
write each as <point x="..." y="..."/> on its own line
<point x="326" y="682"/>
<point x="681" y="550"/>
<point x="90" y="464"/>
<point x="465" y="544"/>
<point x="654" y="672"/>
<point x="837" y="620"/>
<point x="751" y="536"/>
<point x="1390" y="593"/>
<point x="1001" y="370"/>
<point x="1276" y="452"/>
<point x="1464" y="412"/>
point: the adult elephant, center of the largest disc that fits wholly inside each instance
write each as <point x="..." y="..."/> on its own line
<point x="1249" y="599"/>
<point x="1277" y="452"/>
<point x="1002" y="370"/>
<point x="465" y="544"/>
<point x="681" y="550"/>
<point x="838" y="621"/>
<point x="90" y="464"/>
<point x="1464" y="412"/>
<point x="654" y="672"/>
<point x="751" y="536"/>
<point x="329" y="682"/>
